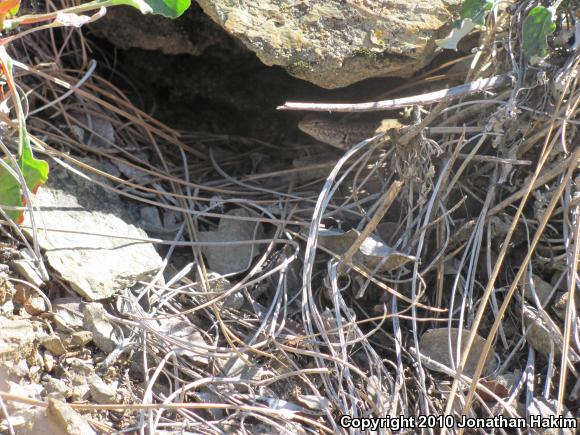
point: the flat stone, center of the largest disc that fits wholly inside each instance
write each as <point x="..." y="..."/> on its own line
<point x="96" y="267"/>
<point x="68" y="313"/>
<point x="28" y="270"/>
<point x="226" y="259"/>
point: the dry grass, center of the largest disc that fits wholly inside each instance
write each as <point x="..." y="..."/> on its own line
<point x="482" y="212"/>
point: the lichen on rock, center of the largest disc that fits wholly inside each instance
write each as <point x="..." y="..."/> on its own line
<point x="336" y="43"/>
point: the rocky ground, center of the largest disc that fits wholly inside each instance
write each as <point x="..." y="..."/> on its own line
<point x="196" y="264"/>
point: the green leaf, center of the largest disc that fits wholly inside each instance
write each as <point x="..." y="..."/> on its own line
<point x="35" y="173"/>
<point x="472" y="14"/>
<point x="475" y="10"/>
<point x="167" y="8"/>
<point x="537" y="26"/>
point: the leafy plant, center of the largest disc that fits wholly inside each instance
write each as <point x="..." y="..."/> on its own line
<point x="475" y="10"/>
<point x="25" y="169"/>
<point x="23" y="174"/>
<point x="538" y="25"/>
<point x="472" y="14"/>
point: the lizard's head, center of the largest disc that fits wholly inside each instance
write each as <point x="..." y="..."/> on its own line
<point x="313" y="123"/>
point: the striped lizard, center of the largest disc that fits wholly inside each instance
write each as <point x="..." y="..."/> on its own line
<point x="343" y="135"/>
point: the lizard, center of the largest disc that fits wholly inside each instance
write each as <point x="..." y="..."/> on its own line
<point x="344" y="135"/>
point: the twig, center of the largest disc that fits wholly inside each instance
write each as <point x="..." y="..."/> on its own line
<point x="386" y="202"/>
<point x="494" y="82"/>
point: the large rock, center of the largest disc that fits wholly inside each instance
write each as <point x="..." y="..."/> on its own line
<point x="334" y="43"/>
<point x="95" y="266"/>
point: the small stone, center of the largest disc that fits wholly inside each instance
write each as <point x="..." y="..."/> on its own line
<point x="29" y="299"/>
<point x="48" y="360"/>
<point x="17" y="338"/>
<point x="20" y="368"/>
<point x="57" y="388"/>
<point x="225" y="259"/>
<point x="104" y="335"/>
<point x="31" y="391"/>
<point x="35" y="306"/>
<point x="7" y="307"/>
<point x="81" y="338"/>
<point x="7" y="290"/>
<point x="80" y="367"/>
<point x="543" y="289"/>
<point x="53" y="343"/>
<point x="27" y="269"/>
<point x="68" y="419"/>
<point x="68" y="313"/>
<point x="101" y="392"/>
<point x="150" y="216"/>
<point x="80" y="393"/>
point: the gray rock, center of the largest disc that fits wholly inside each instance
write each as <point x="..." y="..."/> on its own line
<point x="104" y="335"/>
<point x="151" y="218"/>
<point x="68" y="419"/>
<point x="101" y="392"/>
<point x="79" y="392"/>
<point x="7" y="307"/>
<point x="56" y="388"/>
<point x="334" y="43"/>
<point x="27" y="269"/>
<point x="542" y="288"/>
<point x="96" y="267"/>
<point x="235" y="258"/>
<point x="80" y="369"/>
<point x="68" y="313"/>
